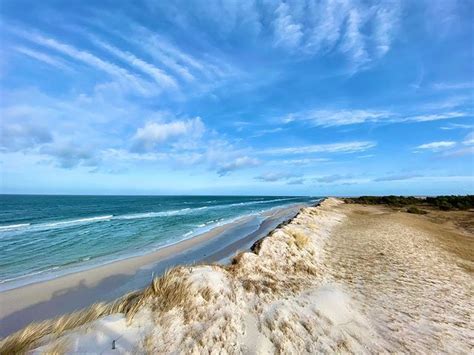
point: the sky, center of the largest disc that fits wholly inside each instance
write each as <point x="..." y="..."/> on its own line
<point x="316" y="97"/>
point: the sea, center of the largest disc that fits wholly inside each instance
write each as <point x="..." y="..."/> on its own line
<point x="43" y="236"/>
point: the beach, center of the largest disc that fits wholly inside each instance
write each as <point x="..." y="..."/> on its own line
<point x="42" y="300"/>
<point x="336" y="278"/>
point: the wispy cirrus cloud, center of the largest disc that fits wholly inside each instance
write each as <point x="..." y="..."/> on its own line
<point x="360" y="32"/>
<point x="434" y="117"/>
<point x="331" y="118"/>
<point x="353" y="41"/>
<point x="436" y="146"/>
<point x="469" y="139"/>
<point x="335" y="118"/>
<point x="236" y="164"/>
<point x="332" y="178"/>
<point x="126" y="78"/>
<point x="273" y="176"/>
<point x="451" y="126"/>
<point x="450" y="148"/>
<point x="45" y="58"/>
<point x="287" y="32"/>
<point x="399" y="177"/>
<point x="346" y="147"/>
<point x="154" y="72"/>
<point x="454" y="86"/>
<point x="303" y="161"/>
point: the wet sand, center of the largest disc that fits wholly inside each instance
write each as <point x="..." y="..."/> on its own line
<point x="64" y="294"/>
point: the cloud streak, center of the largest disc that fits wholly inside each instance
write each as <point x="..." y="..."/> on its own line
<point x="346" y="147"/>
<point x="238" y="163"/>
<point x="45" y="58"/>
<point x="397" y="177"/>
<point x="275" y="176"/>
<point x="156" y="73"/>
<point x="124" y="76"/>
<point x="436" y="146"/>
<point x="337" y="118"/>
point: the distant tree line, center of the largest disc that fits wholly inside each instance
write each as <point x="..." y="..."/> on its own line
<point x="444" y="203"/>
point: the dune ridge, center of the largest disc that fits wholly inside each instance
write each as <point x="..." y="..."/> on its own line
<point x="290" y="294"/>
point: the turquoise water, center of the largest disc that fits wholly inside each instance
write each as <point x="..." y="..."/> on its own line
<point x="45" y="234"/>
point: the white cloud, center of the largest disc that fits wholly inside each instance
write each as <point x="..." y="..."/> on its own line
<point x="69" y="155"/>
<point x="262" y="132"/>
<point x="330" y="118"/>
<point x="460" y="152"/>
<point x="353" y="42"/>
<point x="457" y="126"/>
<point x="127" y="79"/>
<point x="326" y="20"/>
<point x="275" y="176"/>
<point x="23" y="136"/>
<point x="386" y="22"/>
<point x="45" y="58"/>
<point x="469" y="139"/>
<point x="436" y="146"/>
<point x="147" y="138"/>
<point x="187" y="66"/>
<point x="287" y="32"/>
<point x="299" y="181"/>
<point x="397" y="177"/>
<point x="433" y="117"/>
<point x="346" y="147"/>
<point x="236" y="164"/>
<point x="157" y="74"/>
<point x="332" y="178"/>
<point x="454" y="86"/>
<point x="301" y="162"/>
<point x="345" y="117"/>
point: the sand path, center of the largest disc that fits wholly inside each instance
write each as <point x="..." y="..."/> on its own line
<point x="406" y="274"/>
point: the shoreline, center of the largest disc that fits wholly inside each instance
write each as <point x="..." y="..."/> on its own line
<point x="73" y="291"/>
<point x="334" y="278"/>
<point x="48" y="275"/>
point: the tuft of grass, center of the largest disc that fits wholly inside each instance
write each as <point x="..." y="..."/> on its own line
<point x="171" y="290"/>
<point x="24" y="339"/>
<point x="167" y="291"/>
<point x="59" y="347"/>
<point x="147" y="344"/>
<point x="301" y="240"/>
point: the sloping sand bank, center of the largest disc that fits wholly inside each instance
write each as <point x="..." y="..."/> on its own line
<point x="338" y="277"/>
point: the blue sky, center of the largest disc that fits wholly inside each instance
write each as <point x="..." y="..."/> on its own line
<point x="229" y="97"/>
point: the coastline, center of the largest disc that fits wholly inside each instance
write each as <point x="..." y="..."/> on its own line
<point x="73" y="291"/>
<point x="335" y="278"/>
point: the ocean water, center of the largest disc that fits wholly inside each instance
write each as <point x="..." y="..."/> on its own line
<point x="41" y="235"/>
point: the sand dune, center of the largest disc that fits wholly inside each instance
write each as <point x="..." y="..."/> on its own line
<point x="337" y="278"/>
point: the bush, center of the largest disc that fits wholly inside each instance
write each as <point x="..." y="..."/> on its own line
<point x="444" y="203"/>
<point x="415" y="210"/>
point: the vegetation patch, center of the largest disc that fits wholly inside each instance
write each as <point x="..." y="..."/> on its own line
<point x="415" y="210"/>
<point x="443" y="203"/>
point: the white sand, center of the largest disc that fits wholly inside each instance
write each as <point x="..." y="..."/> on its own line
<point x="332" y="280"/>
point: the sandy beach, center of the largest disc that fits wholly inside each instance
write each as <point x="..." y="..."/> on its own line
<point x="337" y="278"/>
<point x="42" y="300"/>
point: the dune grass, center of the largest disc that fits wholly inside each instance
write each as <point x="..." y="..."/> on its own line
<point x="170" y="290"/>
<point x="166" y="292"/>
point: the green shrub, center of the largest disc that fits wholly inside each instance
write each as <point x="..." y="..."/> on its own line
<point x="444" y="203"/>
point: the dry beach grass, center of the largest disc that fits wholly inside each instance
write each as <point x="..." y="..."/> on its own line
<point x="337" y="278"/>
